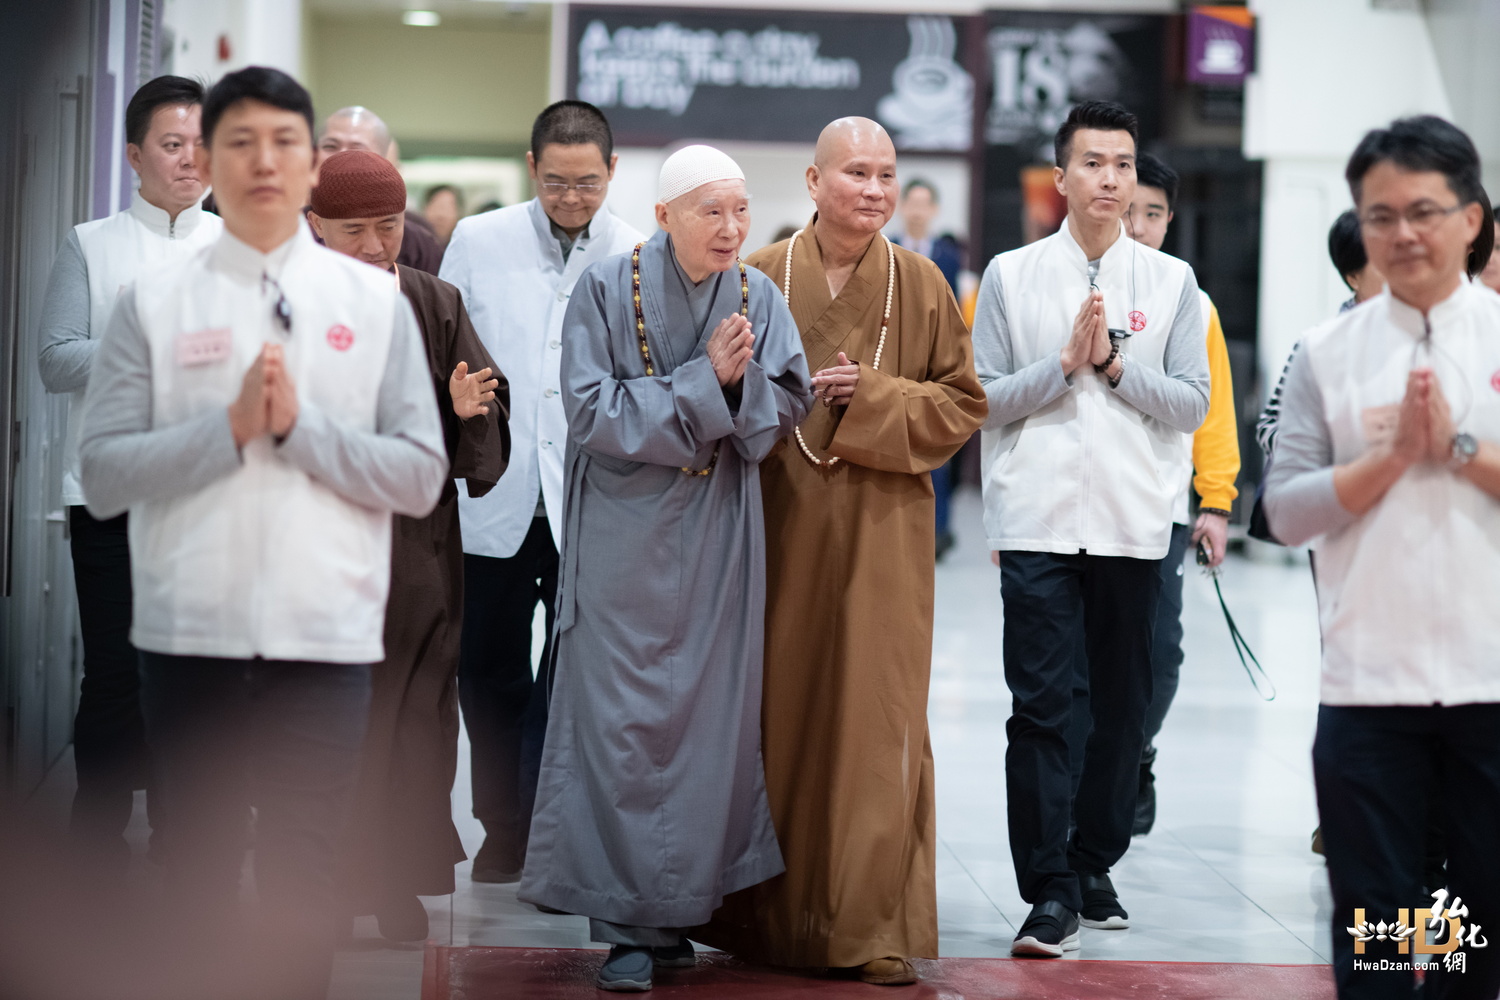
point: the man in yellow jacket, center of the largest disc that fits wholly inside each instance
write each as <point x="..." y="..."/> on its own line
<point x="1210" y="464"/>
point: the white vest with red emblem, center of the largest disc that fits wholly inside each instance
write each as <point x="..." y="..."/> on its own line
<point x="266" y="561"/>
<point x="1088" y="471"/>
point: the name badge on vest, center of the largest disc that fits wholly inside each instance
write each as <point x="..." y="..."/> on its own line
<point x="204" y="347"/>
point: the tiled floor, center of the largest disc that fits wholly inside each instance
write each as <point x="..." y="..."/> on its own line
<point x="1225" y="877"/>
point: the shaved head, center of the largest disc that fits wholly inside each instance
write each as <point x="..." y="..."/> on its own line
<point x="852" y="179"/>
<point x="353" y="128"/>
<point x="842" y="135"/>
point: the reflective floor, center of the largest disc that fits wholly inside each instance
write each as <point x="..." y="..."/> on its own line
<point x="1226" y="876"/>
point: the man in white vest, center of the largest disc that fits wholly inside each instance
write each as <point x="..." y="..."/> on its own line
<point x="1091" y="350"/>
<point x="516" y="268"/>
<point x="1388" y="454"/>
<point x="261" y="410"/>
<point x="164" y="225"/>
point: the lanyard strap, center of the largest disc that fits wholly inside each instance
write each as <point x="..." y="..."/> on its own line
<point x="1243" y="648"/>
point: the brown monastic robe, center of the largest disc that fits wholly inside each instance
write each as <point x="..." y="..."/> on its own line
<point x="849" y="608"/>
<point x="402" y="840"/>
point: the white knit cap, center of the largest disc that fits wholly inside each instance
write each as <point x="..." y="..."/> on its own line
<point x="694" y="166"/>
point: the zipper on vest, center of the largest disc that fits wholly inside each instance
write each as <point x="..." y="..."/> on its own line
<point x="171" y="229"/>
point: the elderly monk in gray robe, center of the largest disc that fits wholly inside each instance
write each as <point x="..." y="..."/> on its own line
<point x="681" y="369"/>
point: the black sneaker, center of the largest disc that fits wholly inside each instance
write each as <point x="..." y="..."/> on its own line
<point x="675" y="956"/>
<point x="1101" y="904"/>
<point x="626" y="970"/>
<point x="1050" y="929"/>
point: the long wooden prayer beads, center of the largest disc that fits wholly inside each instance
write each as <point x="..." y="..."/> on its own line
<point x="640" y="330"/>
<point x="885" y="322"/>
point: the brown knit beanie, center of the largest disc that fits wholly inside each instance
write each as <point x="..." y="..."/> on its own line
<point x="358" y="184"/>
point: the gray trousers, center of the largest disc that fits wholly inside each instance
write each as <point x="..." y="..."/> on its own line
<point x="635" y="937"/>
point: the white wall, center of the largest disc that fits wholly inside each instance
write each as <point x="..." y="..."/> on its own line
<point x="1327" y="72"/>
<point x="260" y="33"/>
<point x="775" y="177"/>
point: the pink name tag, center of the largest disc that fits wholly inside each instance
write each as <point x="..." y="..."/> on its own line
<point x="204" y="347"/>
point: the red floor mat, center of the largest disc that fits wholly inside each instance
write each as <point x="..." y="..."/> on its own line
<point x="548" y="974"/>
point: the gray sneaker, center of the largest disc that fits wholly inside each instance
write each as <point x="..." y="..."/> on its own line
<point x="626" y="970"/>
<point x="676" y="956"/>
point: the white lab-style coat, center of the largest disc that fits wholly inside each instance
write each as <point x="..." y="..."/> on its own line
<point x="516" y="287"/>
<point x="117" y="250"/>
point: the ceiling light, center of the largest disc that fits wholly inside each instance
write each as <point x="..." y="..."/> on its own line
<point x="421" y="18"/>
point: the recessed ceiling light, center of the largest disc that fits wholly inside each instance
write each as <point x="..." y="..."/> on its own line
<point x="421" y="18"/>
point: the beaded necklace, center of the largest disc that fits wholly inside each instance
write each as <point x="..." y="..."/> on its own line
<point x="885" y="322"/>
<point x="640" y="331"/>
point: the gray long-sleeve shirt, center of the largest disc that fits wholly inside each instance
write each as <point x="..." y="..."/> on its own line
<point x="1178" y="396"/>
<point x="126" y="461"/>
<point x="66" y="350"/>
<point x="1301" y="502"/>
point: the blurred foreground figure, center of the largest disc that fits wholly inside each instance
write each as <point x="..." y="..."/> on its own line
<point x="1388" y="460"/>
<point x="164" y="226"/>
<point x="261" y="411"/>
<point x="681" y="371"/>
<point x="402" y="842"/>
<point x="849" y="579"/>
<point x="516" y="269"/>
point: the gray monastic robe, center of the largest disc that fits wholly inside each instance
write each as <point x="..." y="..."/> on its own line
<point x="651" y="804"/>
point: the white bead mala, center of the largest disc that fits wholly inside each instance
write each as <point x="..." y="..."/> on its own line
<point x="885" y="322"/>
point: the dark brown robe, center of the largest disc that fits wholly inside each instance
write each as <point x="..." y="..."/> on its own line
<point x="420" y="248"/>
<point x="402" y="839"/>
<point x="849" y="609"/>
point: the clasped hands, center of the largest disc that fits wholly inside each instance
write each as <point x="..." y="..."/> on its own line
<point x="1424" y="424"/>
<point x="471" y="391"/>
<point x="267" y="403"/>
<point x="1089" y="343"/>
<point x="835" y="386"/>
<point x="730" y="348"/>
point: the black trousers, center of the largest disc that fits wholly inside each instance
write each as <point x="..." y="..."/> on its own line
<point x="1166" y="657"/>
<point x="1378" y="770"/>
<point x="1046" y="597"/>
<point x="505" y="711"/>
<point x="109" y="736"/>
<point x="283" y="737"/>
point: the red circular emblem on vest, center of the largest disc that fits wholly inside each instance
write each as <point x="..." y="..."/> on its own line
<point x="340" y="337"/>
<point x="1137" y="321"/>
<point x="1495" y="381"/>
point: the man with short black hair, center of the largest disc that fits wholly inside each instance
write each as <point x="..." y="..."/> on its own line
<point x="1388" y="454"/>
<point x="1078" y="502"/>
<point x="164" y="225"/>
<point x="516" y="268"/>
<point x="262" y="411"/>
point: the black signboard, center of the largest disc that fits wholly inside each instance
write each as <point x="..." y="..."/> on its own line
<point x="1039" y="66"/>
<point x="664" y="74"/>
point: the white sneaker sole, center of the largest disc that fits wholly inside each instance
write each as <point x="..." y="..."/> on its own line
<point x="1108" y="924"/>
<point x="623" y="985"/>
<point x="1030" y="947"/>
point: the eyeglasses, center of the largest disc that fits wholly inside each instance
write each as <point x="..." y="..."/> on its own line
<point x="281" y="310"/>
<point x="555" y="188"/>
<point x="1421" y="219"/>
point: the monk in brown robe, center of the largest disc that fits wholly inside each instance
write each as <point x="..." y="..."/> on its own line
<point x="402" y="842"/>
<point x="849" y="581"/>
